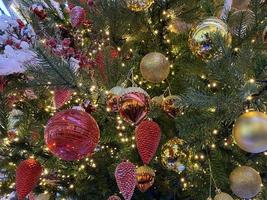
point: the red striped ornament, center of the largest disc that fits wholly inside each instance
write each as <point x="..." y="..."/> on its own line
<point x="72" y="134"/>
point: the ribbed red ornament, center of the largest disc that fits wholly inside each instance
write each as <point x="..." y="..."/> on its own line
<point x="147" y="136"/>
<point x="125" y="178"/>
<point x="114" y="197"/>
<point x="61" y="96"/>
<point x="72" y="134"/>
<point x="27" y="175"/>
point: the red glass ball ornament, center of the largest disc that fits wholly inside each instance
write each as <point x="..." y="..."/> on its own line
<point x="125" y="178"/>
<point x="72" y="134"/>
<point x="147" y="136"/>
<point x="27" y="175"/>
<point x="134" y="105"/>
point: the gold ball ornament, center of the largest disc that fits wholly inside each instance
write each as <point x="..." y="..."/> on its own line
<point x="200" y="38"/>
<point x="139" y="5"/>
<point x="223" y="196"/>
<point x="173" y="155"/>
<point x="241" y="21"/>
<point x="172" y="106"/>
<point x="250" y="132"/>
<point x="155" y="67"/>
<point x="245" y="182"/>
<point x="145" y="178"/>
<point x="240" y="4"/>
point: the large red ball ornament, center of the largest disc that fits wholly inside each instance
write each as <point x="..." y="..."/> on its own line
<point x="27" y="175"/>
<point x="147" y="136"/>
<point x="134" y="105"/>
<point x="125" y="178"/>
<point x="72" y="134"/>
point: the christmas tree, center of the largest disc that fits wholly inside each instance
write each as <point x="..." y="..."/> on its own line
<point x="134" y="99"/>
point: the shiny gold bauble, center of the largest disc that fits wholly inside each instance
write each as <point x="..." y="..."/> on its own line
<point x="201" y="38"/>
<point x="174" y="155"/>
<point x="241" y="21"/>
<point x="172" y="106"/>
<point x="139" y="5"/>
<point x="145" y="178"/>
<point x="250" y="132"/>
<point x="240" y="4"/>
<point x="245" y="182"/>
<point x="155" y="67"/>
<point x="223" y="196"/>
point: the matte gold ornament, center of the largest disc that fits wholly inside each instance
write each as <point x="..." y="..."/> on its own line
<point x="250" y="132"/>
<point x="155" y="67"/>
<point x="145" y="178"/>
<point x="172" y="106"/>
<point x="139" y="5"/>
<point x="200" y="38"/>
<point x="173" y="155"/>
<point x="245" y="182"/>
<point x="223" y="196"/>
<point x="241" y="21"/>
<point x="240" y="4"/>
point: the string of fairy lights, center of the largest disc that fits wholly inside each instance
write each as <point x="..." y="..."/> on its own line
<point x="124" y="138"/>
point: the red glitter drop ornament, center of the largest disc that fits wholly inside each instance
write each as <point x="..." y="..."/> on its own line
<point x="77" y="16"/>
<point x="61" y="96"/>
<point x="147" y="136"/>
<point x="125" y="178"/>
<point x="114" y="197"/>
<point x="27" y="175"/>
<point x="134" y="105"/>
<point x="72" y="134"/>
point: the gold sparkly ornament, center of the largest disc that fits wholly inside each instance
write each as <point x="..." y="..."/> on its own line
<point x="241" y="21"/>
<point x="200" y="38"/>
<point x="139" y="5"/>
<point x="173" y="155"/>
<point x="245" y="182"/>
<point x="240" y="4"/>
<point x="155" y="67"/>
<point x="172" y="106"/>
<point x="250" y="132"/>
<point x="145" y="178"/>
<point x="223" y="196"/>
